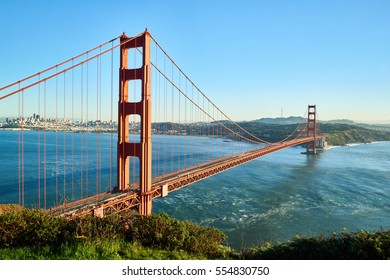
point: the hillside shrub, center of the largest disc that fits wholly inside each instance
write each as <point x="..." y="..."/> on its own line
<point x="28" y="227"/>
<point x="164" y="232"/>
<point x="362" y="245"/>
<point x="90" y="227"/>
<point x="38" y="228"/>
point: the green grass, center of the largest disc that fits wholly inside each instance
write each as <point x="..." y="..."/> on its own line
<point x="362" y="245"/>
<point x="98" y="250"/>
<point x="35" y="234"/>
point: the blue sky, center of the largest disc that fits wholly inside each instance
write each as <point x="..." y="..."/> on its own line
<point x="252" y="58"/>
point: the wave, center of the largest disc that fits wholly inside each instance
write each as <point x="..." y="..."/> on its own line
<point x="331" y="147"/>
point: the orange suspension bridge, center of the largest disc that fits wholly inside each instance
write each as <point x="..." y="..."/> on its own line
<point x="81" y="150"/>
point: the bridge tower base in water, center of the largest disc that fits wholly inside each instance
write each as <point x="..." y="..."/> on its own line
<point x="311" y="129"/>
<point x="143" y="148"/>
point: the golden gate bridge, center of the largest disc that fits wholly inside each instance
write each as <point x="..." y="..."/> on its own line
<point x="70" y="105"/>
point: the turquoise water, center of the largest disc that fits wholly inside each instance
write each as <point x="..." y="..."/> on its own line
<point x="286" y="193"/>
<point x="269" y="199"/>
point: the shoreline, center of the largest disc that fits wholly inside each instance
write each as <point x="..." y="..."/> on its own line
<point x="111" y="131"/>
<point x="329" y="147"/>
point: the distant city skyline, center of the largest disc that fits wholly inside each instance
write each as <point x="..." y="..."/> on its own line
<point x="295" y="119"/>
<point x="251" y="58"/>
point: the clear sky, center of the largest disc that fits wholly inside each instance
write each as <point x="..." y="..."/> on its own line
<point x="252" y="58"/>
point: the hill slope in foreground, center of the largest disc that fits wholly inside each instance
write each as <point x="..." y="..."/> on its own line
<point x="35" y="234"/>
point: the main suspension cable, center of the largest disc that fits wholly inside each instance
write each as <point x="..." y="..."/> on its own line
<point x="59" y="64"/>
<point x="181" y="71"/>
<point x="66" y="69"/>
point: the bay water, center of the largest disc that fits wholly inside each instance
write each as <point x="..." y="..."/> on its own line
<point x="285" y="194"/>
<point x="272" y="198"/>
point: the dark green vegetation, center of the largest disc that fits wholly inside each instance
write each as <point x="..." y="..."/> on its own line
<point x="342" y="134"/>
<point x="35" y="234"/>
<point x="344" y="246"/>
<point x="335" y="134"/>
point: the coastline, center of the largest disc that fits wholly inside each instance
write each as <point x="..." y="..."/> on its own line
<point x="329" y="147"/>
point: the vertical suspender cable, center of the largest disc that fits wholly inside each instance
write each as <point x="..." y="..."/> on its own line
<point x="73" y="121"/>
<point x="56" y="138"/>
<point x="165" y="118"/>
<point x="82" y="134"/>
<point x="100" y="119"/>
<point x="197" y="116"/>
<point x="179" y="129"/>
<point x="172" y="124"/>
<point x="155" y="118"/>
<point x="44" y="146"/>
<point x="192" y="124"/>
<point x="39" y="143"/>
<point x="96" y="130"/>
<point x="206" y="128"/>
<point x="213" y="155"/>
<point x="64" y="134"/>
<point x="19" y="151"/>
<point x="186" y="128"/>
<point x="23" y="147"/>
<point x="210" y="152"/>
<point x="87" y="130"/>
<point x="111" y="114"/>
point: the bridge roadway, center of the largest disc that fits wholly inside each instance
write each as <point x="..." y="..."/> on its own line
<point x="114" y="202"/>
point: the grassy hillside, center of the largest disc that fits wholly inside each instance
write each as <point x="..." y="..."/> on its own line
<point x="361" y="245"/>
<point x="335" y="134"/>
<point x="342" y="134"/>
<point x="34" y="234"/>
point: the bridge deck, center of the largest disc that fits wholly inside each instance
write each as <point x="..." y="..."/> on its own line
<point x="113" y="202"/>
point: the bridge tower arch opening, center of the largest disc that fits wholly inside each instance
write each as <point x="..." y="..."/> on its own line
<point x="143" y="148"/>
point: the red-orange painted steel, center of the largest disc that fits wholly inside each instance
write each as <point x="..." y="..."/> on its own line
<point x="120" y="201"/>
<point x="311" y="129"/>
<point x="143" y="149"/>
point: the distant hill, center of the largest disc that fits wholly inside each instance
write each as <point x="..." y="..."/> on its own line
<point x="295" y="120"/>
<point x="342" y="134"/>
<point x="289" y="120"/>
<point x="336" y="134"/>
<point x="340" y="121"/>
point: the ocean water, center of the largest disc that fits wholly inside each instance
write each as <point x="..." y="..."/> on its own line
<point x="272" y="198"/>
<point x="285" y="194"/>
<point x="44" y="169"/>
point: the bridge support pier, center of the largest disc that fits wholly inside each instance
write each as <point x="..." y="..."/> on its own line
<point x="311" y="129"/>
<point x="143" y="108"/>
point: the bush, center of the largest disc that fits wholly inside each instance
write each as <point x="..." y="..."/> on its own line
<point x="29" y="227"/>
<point x="94" y="227"/>
<point x="164" y="232"/>
<point x="344" y="246"/>
<point x="38" y="228"/>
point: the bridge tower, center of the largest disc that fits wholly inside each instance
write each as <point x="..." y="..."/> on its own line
<point x="143" y="148"/>
<point x="311" y="129"/>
